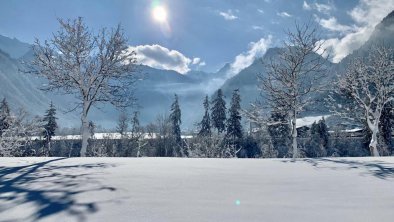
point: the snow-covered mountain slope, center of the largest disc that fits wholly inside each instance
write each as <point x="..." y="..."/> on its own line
<point x="180" y="189"/>
<point x="247" y="80"/>
<point x="20" y="89"/>
<point x="13" y="47"/>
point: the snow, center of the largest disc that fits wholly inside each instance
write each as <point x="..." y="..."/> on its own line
<point x="181" y="189"/>
<point x="309" y="120"/>
<point x="101" y="136"/>
<point x="353" y="130"/>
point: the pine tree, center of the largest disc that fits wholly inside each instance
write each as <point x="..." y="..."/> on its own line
<point x="234" y="128"/>
<point x="218" y="112"/>
<point x="5" y="116"/>
<point x="319" y="138"/>
<point x="386" y="124"/>
<point x="92" y="128"/>
<point x="206" y="120"/>
<point x="135" y="124"/>
<point x="314" y="142"/>
<point x="122" y="126"/>
<point x="269" y="150"/>
<point x="324" y="135"/>
<point x="175" y="118"/>
<point x="50" y="126"/>
<point x="280" y="133"/>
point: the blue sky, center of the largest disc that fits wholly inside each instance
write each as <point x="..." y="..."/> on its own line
<point x="201" y="34"/>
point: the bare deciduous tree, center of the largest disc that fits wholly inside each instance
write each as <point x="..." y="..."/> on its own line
<point x="19" y="133"/>
<point x="295" y="74"/>
<point x="95" y="67"/>
<point x="369" y="84"/>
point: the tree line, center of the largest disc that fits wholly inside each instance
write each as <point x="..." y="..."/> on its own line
<point x="99" y="68"/>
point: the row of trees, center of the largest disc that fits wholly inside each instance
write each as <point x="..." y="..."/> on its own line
<point x="17" y="130"/>
<point x="221" y="136"/>
<point x="99" y="68"/>
<point x="296" y="76"/>
<point x="218" y="136"/>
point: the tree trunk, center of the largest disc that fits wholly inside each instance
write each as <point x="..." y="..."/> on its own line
<point x="49" y="148"/>
<point x="85" y="130"/>
<point x="374" y="142"/>
<point x="294" y="136"/>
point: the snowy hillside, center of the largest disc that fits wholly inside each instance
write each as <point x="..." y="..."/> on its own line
<point x="176" y="189"/>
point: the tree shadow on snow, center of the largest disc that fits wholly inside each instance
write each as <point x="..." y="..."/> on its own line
<point x="378" y="169"/>
<point x="52" y="189"/>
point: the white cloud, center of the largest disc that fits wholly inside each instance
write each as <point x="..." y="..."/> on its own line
<point x="256" y="27"/>
<point x="159" y="57"/>
<point x="196" y="61"/>
<point x="371" y="12"/>
<point x="367" y="14"/>
<point x="261" y="11"/>
<point x="228" y="15"/>
<point x="284" y="14"/>
<point x="306" y="6"/>
<point x="323" y="8"/>
<point x="245" y="59"/>
<point x="340" y="48"/>
<point x="333" y="25"/>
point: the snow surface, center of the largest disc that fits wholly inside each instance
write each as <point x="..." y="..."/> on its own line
<point x="180" y="189"/>
<point x="101" y="136"/>
<point x="309" y="120"/>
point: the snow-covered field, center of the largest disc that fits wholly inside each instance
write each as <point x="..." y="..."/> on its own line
<point x="187" y="190"/>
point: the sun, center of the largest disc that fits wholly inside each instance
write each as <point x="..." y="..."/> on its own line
<point x="159" y="14"/>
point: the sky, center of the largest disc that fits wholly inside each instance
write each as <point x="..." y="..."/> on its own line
<point x="186" y="35"/>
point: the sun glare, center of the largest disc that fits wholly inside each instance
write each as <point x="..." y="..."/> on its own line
<point x="159" y="14"/>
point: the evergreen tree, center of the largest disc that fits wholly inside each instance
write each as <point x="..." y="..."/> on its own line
<point x="280" y="132"/>
<point x="122" y="126"/>
<point x="135" y="124"/>
<point x="206" y="120"/>
<point x="314" y="143"/>
<point x="324" y="135"/>
<point x="50" y="122"/>
<point x="218" y="112"/>
<point x="319" y="138"/>
<point x="234" y="127"/>
<point x="386" y="124"/>
<point x="250" y="148"/>
<point x="50" y="126"/>
<point x="175" y="118"/>
<point x="5" y="116"/>
<point x="92" y="128"/>
<point x="269" y="150"/>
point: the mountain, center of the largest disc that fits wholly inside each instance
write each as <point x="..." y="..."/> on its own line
<point x="154" y="91"/>
<point x="247" y="79"/>
<point x="155" y="88"/>
<point x="17" y="87"/>
<point x="13" y="47"/>
<point x="21" y="90"/>
<point x="246" y="82"/>
<point x="382" y="34"/>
